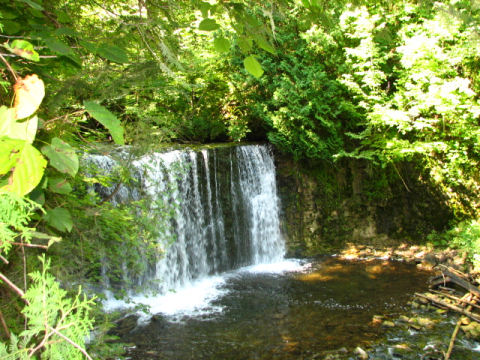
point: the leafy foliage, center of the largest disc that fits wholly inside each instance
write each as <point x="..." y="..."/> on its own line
<point x="51" y="317"/>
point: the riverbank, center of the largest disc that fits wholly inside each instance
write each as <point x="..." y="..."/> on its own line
<point x="426" y="330"/>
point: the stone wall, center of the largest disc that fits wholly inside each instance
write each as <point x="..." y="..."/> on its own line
<point x="325" y="206"/>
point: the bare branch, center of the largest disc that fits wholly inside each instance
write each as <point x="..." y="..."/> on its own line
<point x="14" y="287"/>
<point x="14" y="74"/>
<point x="71" y="342"/>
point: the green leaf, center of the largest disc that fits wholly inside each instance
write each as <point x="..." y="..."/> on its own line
<point x="221" y="45"/>
<point x="59" y="185"/>
<point x="21" y="130"/>
<point x="57" y="46"/>
<point x="23" y="48"/>
<point x="32" y="4"/>
<point x="59" y="218"/>
<point x="253" y="66"/>
<point x="265" y="45"/>
<point x="62" y="156"/>
<point x="208" y="25"/>
<point x="22" y="163"/>
<point x="245" y="44"/>
<point x="107" y="119"/>
<point x="112" y="53"/>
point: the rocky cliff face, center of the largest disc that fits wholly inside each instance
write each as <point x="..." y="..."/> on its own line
<point x="325" y="206"/>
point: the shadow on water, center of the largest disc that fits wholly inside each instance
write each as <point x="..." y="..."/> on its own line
<point x="296" y="315"/>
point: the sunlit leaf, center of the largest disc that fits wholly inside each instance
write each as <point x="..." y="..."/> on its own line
<point x="62" y="156"/>
<point x="10" y="127"/>
<point x="23" y="48"/>
<point x="107" y="119"/>
<point x="59" y="218"/>
<point x="208" y="25"/>
<point x="253" y="66"/>
<point x="29" y="93"/>
<point x="22" y="164"/>
<point x="221" y="45"/>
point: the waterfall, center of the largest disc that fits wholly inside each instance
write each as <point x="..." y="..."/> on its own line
<point x="222" y="205"/>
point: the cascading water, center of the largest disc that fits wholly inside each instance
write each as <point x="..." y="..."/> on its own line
<point x="223" y="212"/>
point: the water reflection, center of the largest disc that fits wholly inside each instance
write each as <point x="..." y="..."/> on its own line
<point x="285" y="315"/>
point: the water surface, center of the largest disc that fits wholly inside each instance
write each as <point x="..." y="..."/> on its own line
<point x="302" y="314"/>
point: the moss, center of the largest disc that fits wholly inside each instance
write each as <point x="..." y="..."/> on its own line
<point x="325" y="205"/>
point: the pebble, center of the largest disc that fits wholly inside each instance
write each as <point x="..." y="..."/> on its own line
<point x="361" y="354"/>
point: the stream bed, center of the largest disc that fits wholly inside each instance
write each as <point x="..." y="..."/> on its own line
<point x="307" y="311"/>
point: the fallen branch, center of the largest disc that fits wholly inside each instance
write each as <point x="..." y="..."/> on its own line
<point x="457" y="328"/>
<point x="457" y="299"/>
<point x="436" y="301"/>
<point x="459" y="279"/>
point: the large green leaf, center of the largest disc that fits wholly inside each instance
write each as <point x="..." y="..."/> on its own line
<point x="208" y="25"/>
<point x="107" y="119"/>
<point x="59" y="218"/>
<point x="221" y="45"/>
<point x="253" y="66"/>
<point x="22" y="130"/>
<point x="62" y="156"/>
<point x="59" y="185"/>
<point x="112" y="53"/>
<point x="22" y="164"/>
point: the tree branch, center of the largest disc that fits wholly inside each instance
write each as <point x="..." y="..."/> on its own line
<point x="14" y="287"/>
<point x="71" y="342"/>
<point x="14" y="74"/>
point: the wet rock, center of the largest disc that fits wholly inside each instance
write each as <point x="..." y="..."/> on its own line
<point x="472" y="330"/>
<point x="388" y="324"/>
<point x="124" y="326"/>
<point x="360" y="353"/>
<point x="376" y="320"/>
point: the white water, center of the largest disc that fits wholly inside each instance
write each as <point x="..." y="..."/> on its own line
<point x="195" y="298"/>
<point x="225" y="217"/>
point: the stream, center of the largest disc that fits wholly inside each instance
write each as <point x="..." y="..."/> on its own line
<point x="290" y="310"/>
